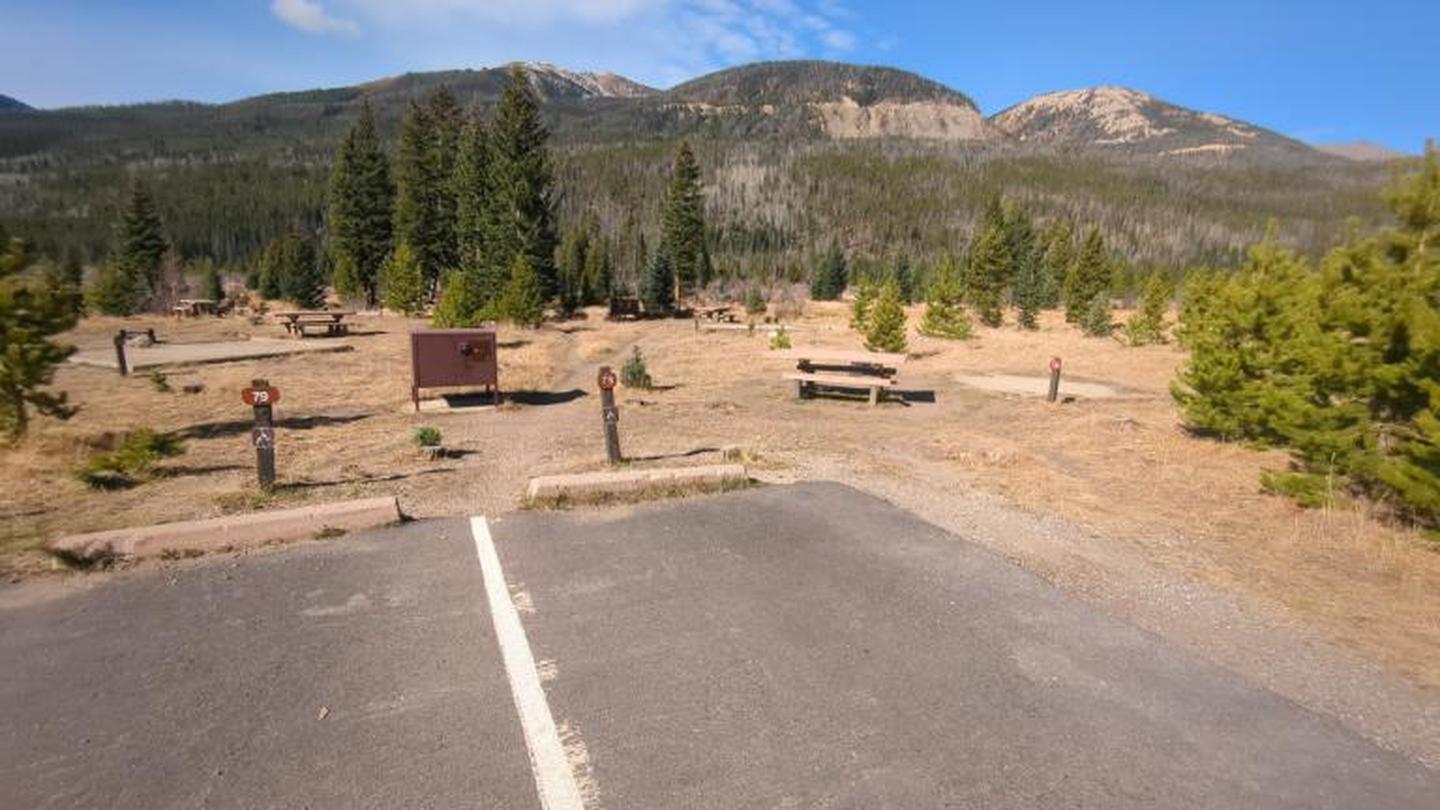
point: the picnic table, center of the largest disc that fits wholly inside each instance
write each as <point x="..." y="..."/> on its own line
<point x="194" y="307"/>
<point x="719" y="314"/>
<point x="831" y="368"/>
<point x="297" y="321"/>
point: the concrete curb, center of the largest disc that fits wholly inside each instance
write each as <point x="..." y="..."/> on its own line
<point x="583" y="486"/>
<point x="229" y="532"/>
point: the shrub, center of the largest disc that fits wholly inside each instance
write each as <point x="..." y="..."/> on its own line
<point x="886" y="332"/>
<point x="860" y="307"/>
<point x="128" y="463"/>
<point x="634" y="374"/>
<point x="427" y="436"/>
<point x="1097" y="316"/>
<point x="780" y="340"/>
<point x="1147" y="326"/>
<point x="755" y="301"/>
<point x="944" y="310"/>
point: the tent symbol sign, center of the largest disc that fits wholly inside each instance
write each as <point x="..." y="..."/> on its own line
<point x="263" y="438"/>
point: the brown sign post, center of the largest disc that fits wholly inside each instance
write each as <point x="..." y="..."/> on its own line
<point x="1054" y="380"/>
<point x="262" y="397"/>
<point x="609" y="413"/>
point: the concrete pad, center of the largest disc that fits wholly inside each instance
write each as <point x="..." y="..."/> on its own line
<point x="229" y="532"/>
<point x="189" y="354"/>
<point x="456" y="403"/>
<point x="583" y="486"/>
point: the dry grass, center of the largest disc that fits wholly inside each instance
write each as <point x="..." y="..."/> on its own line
<point x="1122" y="467"/>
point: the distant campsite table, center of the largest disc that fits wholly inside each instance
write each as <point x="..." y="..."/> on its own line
<point x="830" y="368"/>
<point x="193" y="307"/>
<point x="722" y="314"/>
<point x="298" y="320"/>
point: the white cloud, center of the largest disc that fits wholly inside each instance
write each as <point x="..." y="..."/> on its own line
<point x="311" y="17"/>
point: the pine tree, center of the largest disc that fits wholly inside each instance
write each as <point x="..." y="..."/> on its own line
<point x="302" y="278"/>
<point x="1090" y="276"/>
<point x="461" y="303"/>
<point x="598" y="273"/>
<point x="418" y="184"/>
<point x="574" y="248"/>
<point x="886" y="328"/>
<point x="657" y="285"/>
<point x="904" y="279"/>
<point x="522" y="206"/>
<point x="523" y="303"/>
<point x="990" y="267"/>
<point x="114" y="292"/>
<point x="944" y="305"/>
<point x="1147" y="325"/>
<point x="473" y="212"/>
<point x="1058" y="256"/>
<point x="860" y="307"/>
<point x="272" y="270"/>
<point x="140" y="242"/>
<point x="447" y="122"/>
<point x="402" y="286"/>
<point x="31" y="313"/>
<point x="683" y="225"/>
<point x="361" y="210"/>
<point x="1097" y="321"/>
<point x="211" y="285"/>
<point x="830" y="278"/>
<point x="1025" y="257"/>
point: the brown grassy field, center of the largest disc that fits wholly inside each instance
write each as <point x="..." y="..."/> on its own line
<point x="1121" y="469"/>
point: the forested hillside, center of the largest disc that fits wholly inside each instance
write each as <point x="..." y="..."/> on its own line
<point x="793" y="156"/>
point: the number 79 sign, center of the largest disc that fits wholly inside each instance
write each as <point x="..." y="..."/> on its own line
<point x="260" y="396"/>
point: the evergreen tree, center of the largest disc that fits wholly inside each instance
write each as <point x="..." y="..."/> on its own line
<point x="657" y="285"/>
<point x="1029" y="293"/>
<point x="944" y="305"/>
<point x="361" y="209"/>
<point x="523" y="303"/>
<point x="115" y="292"/>
<point x="1089" y="276"/>
<point x="522" y="207"/>
<point x="885" y="331"/>
<point x="31" y="313"/>
<point x="598" y="272"/>
<point x="755" y="303"/>
<point x="272" y="270"/>
<point x="302" y="278"/>
<point x="474" y="214"/>
<point x="1025" y="259"/>
<point x="419" y="220"/>
<point x="831" y="277"/>
<point x="574" y="250"/>
<point x="1058" y="256"/>
<point x="461" y="303"/>
<point x="447" y="122"/>
<point x="990" y="267"/>
<point x="683" y="225"/>
<point x="211" y="285"/>
<point x="402" y="286"/>
<point x="904" y="279"/>
<point x="865" y="295"/>
<point x="1147" y="325"/>
<point x="140" y="242"/>
<point x="1097" y="321"/>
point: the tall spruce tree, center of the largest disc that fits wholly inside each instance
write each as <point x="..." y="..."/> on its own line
<point x="522" y="194"/>
<point x="1059" y="254"/>
<point x="31" y="314"/>
<point x="944" y="304"/>
<point x="657" y="285"/>
<point x="989" y="267"/>
<point x="523" y="303"/>
<point x="885" y="328"/>
<point x="361" y="210"/>
<point x="302" y="277"/>
<point x="140" y="243"/>
<point x="418" y="217"/>
<point x="402" y="284"/>
<point x="683" y="225"/>
<point x="1025" y="248"/>
<point x="831" y="276"/>
<point x="448" y="122"/>
<point x="1090" y="275"/>
<point x="1029" y="291"/>
<point x="474" y="214"/>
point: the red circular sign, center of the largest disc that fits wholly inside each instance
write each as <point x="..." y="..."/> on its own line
<point x="606" y="380"/>
<point x="1054" y="364"/>
<point x="260" y="396"/>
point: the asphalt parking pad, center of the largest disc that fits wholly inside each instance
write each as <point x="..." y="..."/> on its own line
<point x="811" y="646"/>
<point x="358" y="673"/>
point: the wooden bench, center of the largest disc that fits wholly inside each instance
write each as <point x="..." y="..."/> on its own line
<point x="806" y="382"/>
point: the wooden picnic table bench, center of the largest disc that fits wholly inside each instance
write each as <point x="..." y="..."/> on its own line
<point x="298" y="320"/>
<point x="194" y="307"/>
<point x="829" y="368"/>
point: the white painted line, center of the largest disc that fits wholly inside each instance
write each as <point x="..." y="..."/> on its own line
<point x="554" y="780"/>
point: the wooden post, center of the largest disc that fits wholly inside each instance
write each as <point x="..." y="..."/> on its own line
<point x="120" y="353"/>
<point x="263" y="437"/>
<point x="610" y="414"/>
<point x="1054" y="380"/>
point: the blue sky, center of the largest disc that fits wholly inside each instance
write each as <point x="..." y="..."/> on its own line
<point x="1317" y="70"/>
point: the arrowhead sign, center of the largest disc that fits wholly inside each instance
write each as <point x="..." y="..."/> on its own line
<point x="260" y="396"/>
